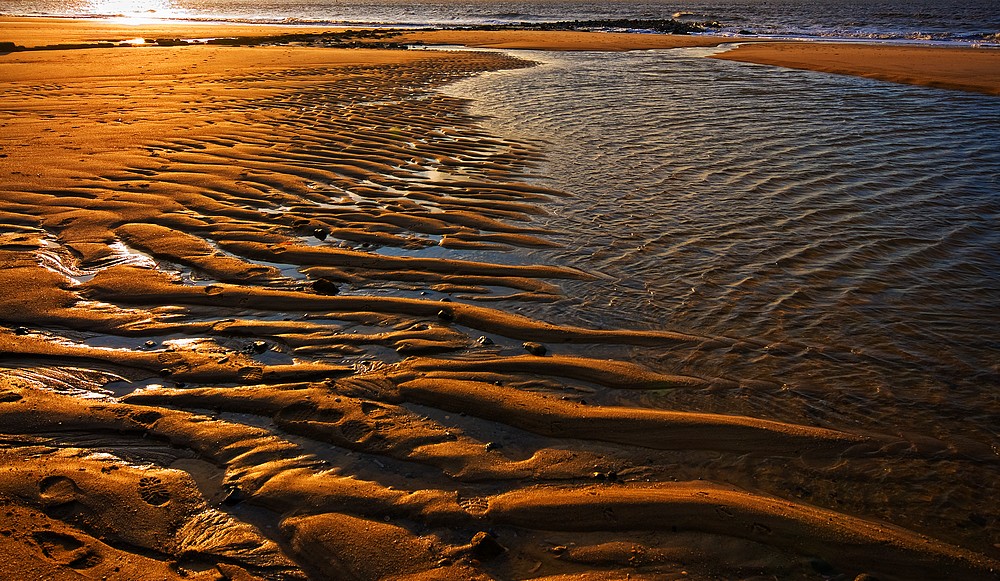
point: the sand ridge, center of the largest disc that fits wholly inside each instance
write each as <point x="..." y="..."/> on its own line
<point x="264" y="302"/>
<point x="965" y="69"/>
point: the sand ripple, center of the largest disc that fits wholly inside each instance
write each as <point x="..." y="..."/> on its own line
<point x="280" y="333"/>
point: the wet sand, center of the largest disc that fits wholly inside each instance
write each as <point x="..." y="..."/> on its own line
<point x="259" y="319"/>
<point x="964" y="69"/>
<point x="30" y="32"/>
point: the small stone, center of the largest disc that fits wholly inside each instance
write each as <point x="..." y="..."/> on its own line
<point x="150" y="343"/>
<point x="491" y="446"/>
<point x="325" y="286"/>
<point x="446" y="315"/>
<point x="259" y="347"/>
<point x="535" y="348"/>
<point x="484" y="340"/>
<point x="485" y="546"/>
<point x="234" y="496"/>
<point x="320" y="233"/>
<point x="21" y="331"/>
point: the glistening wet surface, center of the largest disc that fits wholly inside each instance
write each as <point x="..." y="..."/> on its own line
<point x="842" y="230"/>
<point x="311" y="321"/>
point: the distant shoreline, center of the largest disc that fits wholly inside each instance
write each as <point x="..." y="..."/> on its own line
<point x="960" y="68"/>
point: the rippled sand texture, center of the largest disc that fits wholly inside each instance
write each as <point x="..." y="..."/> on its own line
<point x="251" y="330"/>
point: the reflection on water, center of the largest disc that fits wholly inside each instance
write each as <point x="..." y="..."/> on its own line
<point x="844" y="229"/>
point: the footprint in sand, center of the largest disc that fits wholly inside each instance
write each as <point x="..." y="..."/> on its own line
<point x="153" y="491"/>
<point x="145" y="418"/>
<point x="57" y="491"/>
<point x="474" y="505"/>
<point x="251" y="373"/>
<point x="10" y="396"/>
<point x="308" y="412"/>
<point x="363" y="433"/>
<point x="66" y="550"/>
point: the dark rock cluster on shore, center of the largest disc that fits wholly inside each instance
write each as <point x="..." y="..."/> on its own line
<point x="668" y="26"/>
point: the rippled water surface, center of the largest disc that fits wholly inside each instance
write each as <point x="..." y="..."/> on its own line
<point x="844" y="228"/>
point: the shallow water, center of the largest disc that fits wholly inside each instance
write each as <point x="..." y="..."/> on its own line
<point x="843" y="229"/>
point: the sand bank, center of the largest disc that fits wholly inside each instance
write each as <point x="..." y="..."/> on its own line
<point x="966" y="69"/>
<point x="51" y="31"/>
<point x="259" y="319"/>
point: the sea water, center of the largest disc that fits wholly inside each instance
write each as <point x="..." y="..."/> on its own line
<point x="965" y="21"/>
<point x="845" y="228"/>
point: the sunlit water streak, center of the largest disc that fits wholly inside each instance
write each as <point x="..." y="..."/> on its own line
<point x="844" y="228"/>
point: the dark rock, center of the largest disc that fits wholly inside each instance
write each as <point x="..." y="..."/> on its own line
<point x="535" y="348"/>
<point x="258" y="347"/>
<point x="446" y="315"/>
<point x="484" y="546"/>
<point x="325" y="286"/>
<point x="320" y="233"/>
<point x="22" y="331"/>
<point x="484" y="340"/>
<point x="234" y="495"/>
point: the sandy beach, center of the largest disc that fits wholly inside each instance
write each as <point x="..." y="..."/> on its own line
<point x="964" y="69"/>
<point x="242" y="339"/>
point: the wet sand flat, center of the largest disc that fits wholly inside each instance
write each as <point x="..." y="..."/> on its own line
<point x="965" y="69"/>
<point x="31" y="32"/>
<point x="263" y="315"/>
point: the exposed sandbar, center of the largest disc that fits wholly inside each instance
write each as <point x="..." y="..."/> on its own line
<point x="31" y="32"/>
<point x="965" y="69"/>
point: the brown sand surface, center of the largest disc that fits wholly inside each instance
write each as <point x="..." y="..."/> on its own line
<point x="243" y="336"/>
<point x="966" y="69"/>
<point x="50" y="31"/>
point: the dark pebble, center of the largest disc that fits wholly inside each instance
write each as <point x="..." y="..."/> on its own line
<point x="535" y="348"/>
<point x="446" y="315"/>
<point x="484" y="340"/>
<point x="234" y="496"/>
<point x="325" y="286"/>
<point x="22" y="331"/>
<point x="485" y="546"/>
<point x="259" y="346"/>
<point x="320" y="233"/>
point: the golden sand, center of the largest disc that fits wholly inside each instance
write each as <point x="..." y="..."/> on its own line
<point x="52" y="31"/>
<point x="965" y="69"/>
<point x="212" y="369"/>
